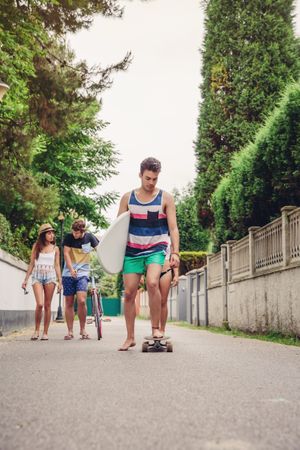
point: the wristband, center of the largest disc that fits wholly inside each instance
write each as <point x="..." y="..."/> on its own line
<point x="174" y="253"/>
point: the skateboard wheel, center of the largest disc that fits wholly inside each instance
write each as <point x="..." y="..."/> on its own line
<point x="145" y="347"/>
<point x="169" y="346"/>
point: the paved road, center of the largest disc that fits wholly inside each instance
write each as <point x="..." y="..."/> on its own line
<point x="213" y="392"/>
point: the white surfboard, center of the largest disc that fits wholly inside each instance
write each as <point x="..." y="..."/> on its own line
<point x="111" y="250"/>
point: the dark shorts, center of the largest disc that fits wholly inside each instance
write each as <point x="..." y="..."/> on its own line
<point x="72" y="285"/>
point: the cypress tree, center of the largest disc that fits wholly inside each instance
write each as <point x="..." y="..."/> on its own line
<point x="250" y="53"/>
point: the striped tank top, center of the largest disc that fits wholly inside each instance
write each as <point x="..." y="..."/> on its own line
<point x="148" y="227"/>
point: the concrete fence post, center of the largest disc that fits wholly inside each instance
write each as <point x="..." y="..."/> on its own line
<point x="251" y="231"/>
<point x="189" y="304"/>
<point x="286" y="251"/>
<point x="198" y="298"/>
<point x="207" y="270"/>
<point x="181" y="308"/>
<point x="206" y="296"/>
<point x="224" y="283"/>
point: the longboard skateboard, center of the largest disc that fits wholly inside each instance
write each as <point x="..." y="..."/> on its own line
<point x="152" y="344"/>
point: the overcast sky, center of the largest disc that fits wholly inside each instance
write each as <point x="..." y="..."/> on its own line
<point x="153" y="107"/>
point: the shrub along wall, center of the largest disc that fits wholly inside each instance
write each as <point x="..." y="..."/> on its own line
<point x="12" y="242"/>
<point x="191" y="260"/>
<point x="264" y="176"/>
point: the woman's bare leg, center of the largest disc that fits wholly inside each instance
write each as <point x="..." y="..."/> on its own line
<point x="48" y="295"/>
<point x="39" y="299"/>
<point x="164" y="286"/>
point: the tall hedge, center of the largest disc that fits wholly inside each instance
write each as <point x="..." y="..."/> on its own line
<point x="250" y="53"/>
<point x="264" y="176"/>
<point x="192" y="235"/>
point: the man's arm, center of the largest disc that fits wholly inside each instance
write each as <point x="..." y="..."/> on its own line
<point x="173" y="229"/>
<point x="124" y="203"/>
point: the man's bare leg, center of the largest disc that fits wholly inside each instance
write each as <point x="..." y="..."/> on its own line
<point x="164" y="287"/>
<point x="81" y="311"/>
<point x="152" y="281"/>
<point x="131" y="284"/>
<point x="69" y="314"/>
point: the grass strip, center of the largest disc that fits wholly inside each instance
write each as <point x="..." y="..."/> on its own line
<point x="270" y="336"/>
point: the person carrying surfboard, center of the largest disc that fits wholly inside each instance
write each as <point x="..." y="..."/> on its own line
<point x="75" y="277"/>
<point x="152" y="221"/>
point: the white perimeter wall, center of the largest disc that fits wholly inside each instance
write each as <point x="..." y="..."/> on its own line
<point x="12" y="274"/>
<point x="267" y="302"/>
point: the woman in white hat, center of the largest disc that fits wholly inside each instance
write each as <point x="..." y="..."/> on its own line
<point x="45" y="269"/>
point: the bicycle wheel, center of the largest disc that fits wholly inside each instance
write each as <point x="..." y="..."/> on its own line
<point x="100" y="306"/>
<point x="99" y="329"/>
<point x="98" y="321"/>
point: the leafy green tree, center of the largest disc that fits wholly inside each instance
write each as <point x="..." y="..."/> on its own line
<point x="22" y="198"/>
<point x="119" y="285"/>
<point x="249" y="55"/>
<point x="192" y="235"/>
<point x="74" y="159"/>
<point x="108" y="285"/>
<point x="61" y="16"/>
<point x="96" y="268"/>
<point x="105" y="282"/>
<point x="50" y="146"/>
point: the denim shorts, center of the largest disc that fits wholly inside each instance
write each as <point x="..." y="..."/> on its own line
<point x="43" y="278"/>
<point x="72" y="285"/>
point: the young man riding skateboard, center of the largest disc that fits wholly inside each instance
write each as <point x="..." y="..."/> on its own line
<point x="152" y="220"/>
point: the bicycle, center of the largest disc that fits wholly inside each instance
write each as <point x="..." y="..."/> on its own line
<point x="97" y="307"/>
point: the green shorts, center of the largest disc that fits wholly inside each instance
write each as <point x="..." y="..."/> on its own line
<point x="138" y="264"/>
